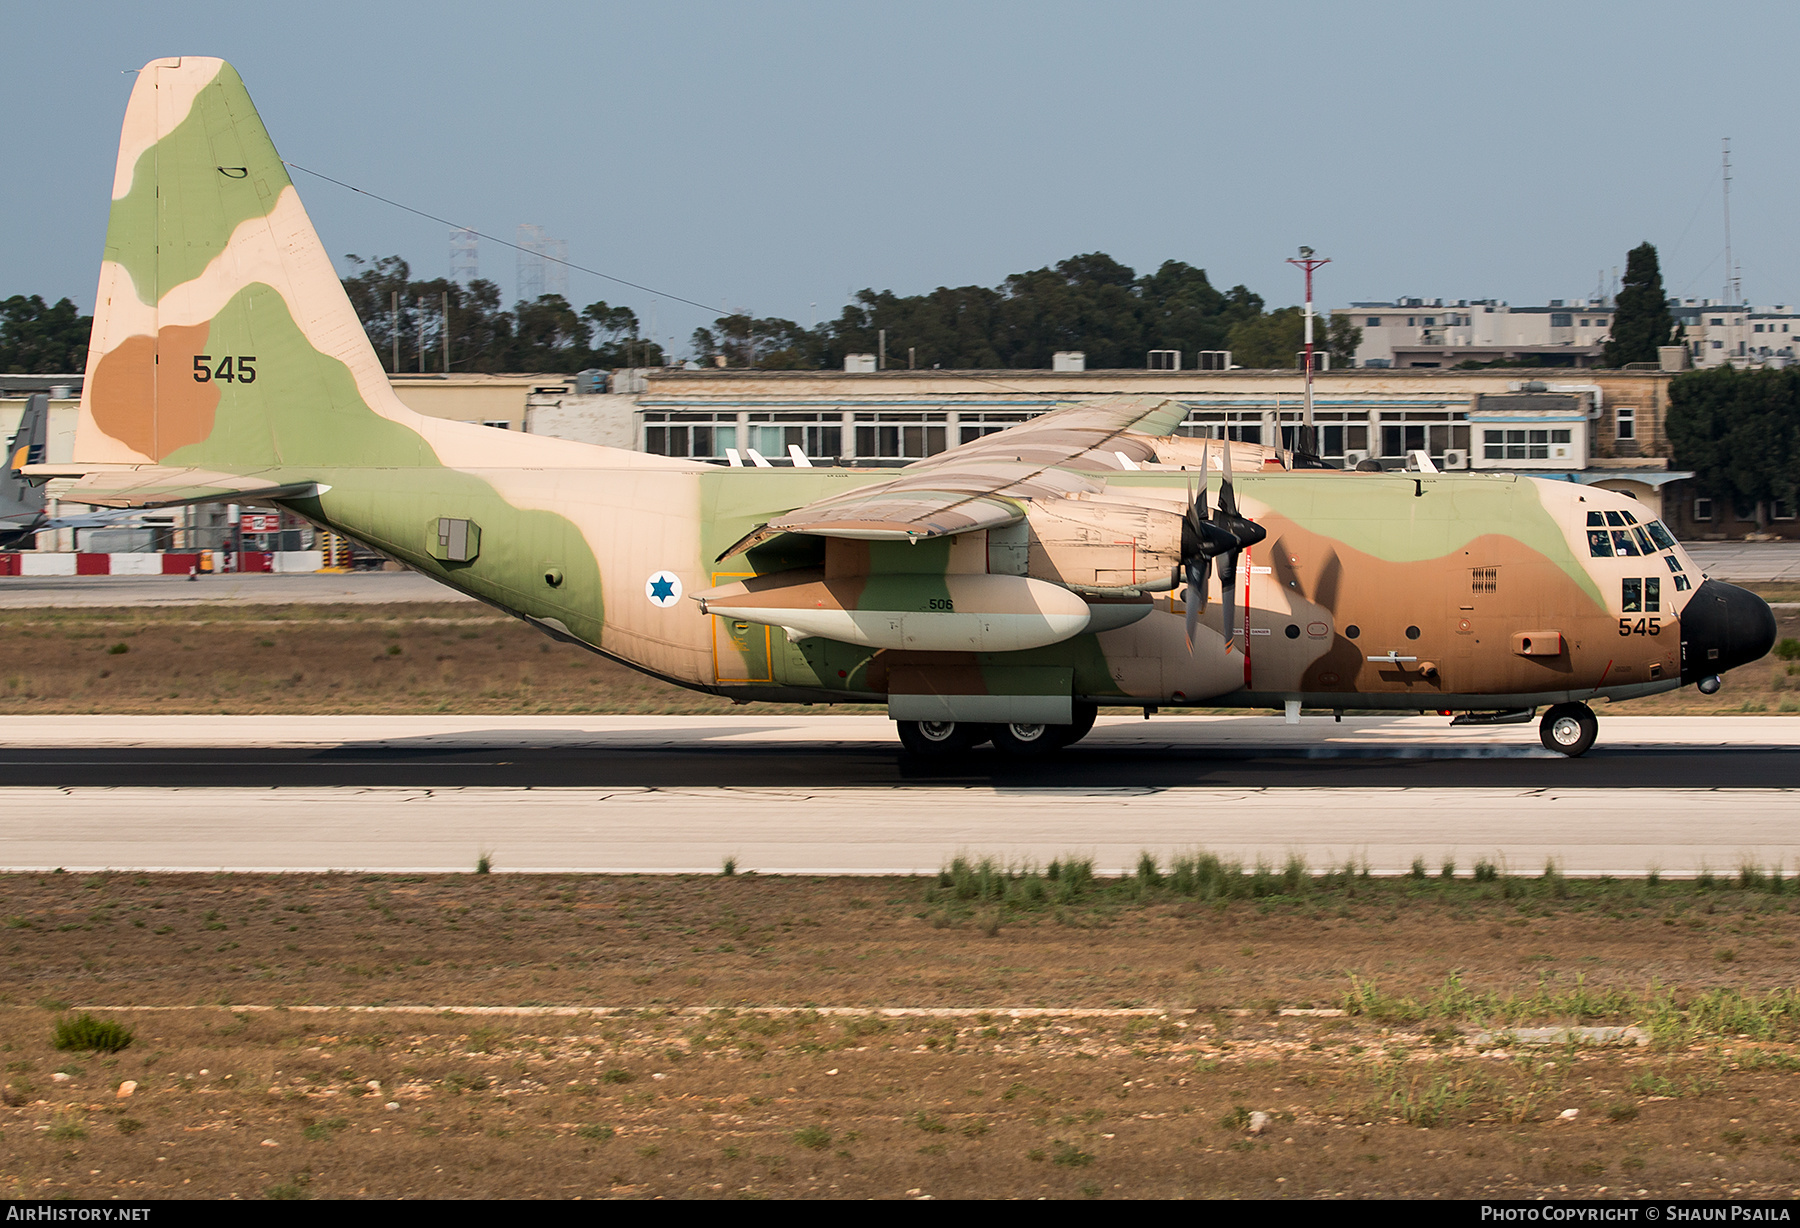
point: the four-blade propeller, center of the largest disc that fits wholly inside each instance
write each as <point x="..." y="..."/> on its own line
<point x="1221" y="533"/>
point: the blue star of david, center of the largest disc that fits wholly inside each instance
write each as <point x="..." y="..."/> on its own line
<point x="662" y="588"/>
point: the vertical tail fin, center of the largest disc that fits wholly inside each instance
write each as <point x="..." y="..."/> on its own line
<point x="222" y="336"/>
<point x="19" y="498"/>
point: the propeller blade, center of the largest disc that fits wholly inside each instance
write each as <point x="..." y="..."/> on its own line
<point x="1195" y="597"/>
<point x="1227" y="594"/>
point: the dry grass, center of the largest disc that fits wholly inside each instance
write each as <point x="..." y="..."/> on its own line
<point x="1393" y="1098"/>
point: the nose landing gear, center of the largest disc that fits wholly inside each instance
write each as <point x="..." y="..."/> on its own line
<point x="1569" y="729"/>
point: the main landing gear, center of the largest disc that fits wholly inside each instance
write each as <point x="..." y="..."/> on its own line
<point x="1569" y="729"/>
<point x="937" y="739"/>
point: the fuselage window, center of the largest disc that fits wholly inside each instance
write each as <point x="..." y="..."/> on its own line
<point x="1673" y="562"/>
<point x="1682" y="583"/>
<point x="1640" y="596"/>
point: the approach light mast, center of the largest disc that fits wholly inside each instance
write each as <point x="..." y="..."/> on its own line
<point x="1308" y="440"/>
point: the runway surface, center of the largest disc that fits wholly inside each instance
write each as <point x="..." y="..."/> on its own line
<point x="835" y="794"/>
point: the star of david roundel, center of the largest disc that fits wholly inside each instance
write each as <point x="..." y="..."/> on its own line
<point x="663" y="589"/>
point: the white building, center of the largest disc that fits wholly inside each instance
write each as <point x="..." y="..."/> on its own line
<point x="1415" y="332"/>
<point x="1741" y="335"/>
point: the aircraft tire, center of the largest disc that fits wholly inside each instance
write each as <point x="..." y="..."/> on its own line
<point x="1027" y="741"/>
<point x="935" y="739"/>
<point x="1068" y="735"/>
<point x="1569" y="729"/>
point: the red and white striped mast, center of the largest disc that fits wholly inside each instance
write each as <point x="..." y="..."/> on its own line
<point x="1309" y="262"/>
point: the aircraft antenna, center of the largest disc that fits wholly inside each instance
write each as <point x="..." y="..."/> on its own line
<point x="1734" y="281"/>
<point x="1308" y="442"/>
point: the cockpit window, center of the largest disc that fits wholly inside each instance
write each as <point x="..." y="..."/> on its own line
<point x="1596" y="520"/>
<point x="1614" y="519"/>
<point x="1673" y="562"/>
<point x="1599" y="542"/>
<point x="1663" y="538"/>
<point x="1622" y="541"/>
<point x="1643" y="540"/>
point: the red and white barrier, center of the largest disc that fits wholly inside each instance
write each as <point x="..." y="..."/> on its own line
<point x="47" y="563"/>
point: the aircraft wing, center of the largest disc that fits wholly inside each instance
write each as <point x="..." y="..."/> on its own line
<point x="986" y="483"/>
<point x="165" y="486"/>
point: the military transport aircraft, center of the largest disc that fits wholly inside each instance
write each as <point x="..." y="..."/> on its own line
<point x="998" y="591"/>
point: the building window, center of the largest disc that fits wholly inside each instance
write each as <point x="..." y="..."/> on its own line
<point x="1703" y="509"/>
<point x="1561" y="319"/>
<point x="1758" y="328"/>
<point x="1717" y="323"/>
<point x="1626" y="418"/>
<point x="1373" y="321"/>
<point x="1783" y="509"/>
<point x="1430" y="321"/>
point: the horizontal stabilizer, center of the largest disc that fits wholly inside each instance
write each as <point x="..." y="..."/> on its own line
<point x="164" y="486"/>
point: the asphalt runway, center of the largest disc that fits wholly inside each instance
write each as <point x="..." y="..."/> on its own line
<point x="833" y="794"/>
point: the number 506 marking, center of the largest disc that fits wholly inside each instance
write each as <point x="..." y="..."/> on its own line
<point x="240" y="369"/>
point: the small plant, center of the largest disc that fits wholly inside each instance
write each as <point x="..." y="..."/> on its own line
<point x="290" y="1191"/>
<point x="1486" y="871"/>
<point x="729" y="869"/>
<point x="1448" y="870"/>
<point x="68" y="1130"/>
<point x="1068" y="1155"/>
<point x="84" y="1032"/>
<point x="1624" y="1110"/>
<point x="1788" y="650"/>
<point x="616" y="1075"/>
<point x="597" y="1133"/>
<point x="118" y="650"/>
<point x="1418" y="868"/>
<point x="1237" y="1119"/>
<point x="931" y="1125"/>
<point x="130" y="1125"/>
<point x="813" y="1138"/>
<point x="484" y="864"/>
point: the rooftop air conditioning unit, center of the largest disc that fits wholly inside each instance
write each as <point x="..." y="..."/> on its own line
<point x="1354" y="457"/>
<point x="1456" y="458"/>
<point x="1068" y="360"/>
<point x="1321" y="360"/>
<point x="1212" y="360"/>
<point x="1164" y="360"/>
<point x="859" y="364"/>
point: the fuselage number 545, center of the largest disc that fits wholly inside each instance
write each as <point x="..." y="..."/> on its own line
<point x="1643" y="626"/>
<point x="238" y="368"/>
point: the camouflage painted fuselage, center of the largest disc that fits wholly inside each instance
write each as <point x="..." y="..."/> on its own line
<point x="227" y="363"/>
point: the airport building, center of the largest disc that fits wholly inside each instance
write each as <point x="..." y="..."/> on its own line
<point x="1434" y="333"/>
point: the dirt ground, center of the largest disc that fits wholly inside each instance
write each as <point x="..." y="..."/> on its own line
<point x="444" y="658"/>
<point x="1401" y="1080"/>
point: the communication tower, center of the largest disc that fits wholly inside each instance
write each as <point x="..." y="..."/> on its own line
<point x="465" y="256"/>
<point x="543" y="264"/>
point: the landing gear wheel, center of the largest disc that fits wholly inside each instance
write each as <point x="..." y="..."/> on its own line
<point x="934" y="739"/>
<point x="1027" y="741"/>
<point x="1068" y="735"/>
<point x="1569" y="729"/>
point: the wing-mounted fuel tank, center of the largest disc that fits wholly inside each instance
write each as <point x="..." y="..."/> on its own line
<point x="918" y="612"/>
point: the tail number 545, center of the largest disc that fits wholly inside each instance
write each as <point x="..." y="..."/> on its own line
<point x="232" y="368"/>
<point x="1643" y="626"/>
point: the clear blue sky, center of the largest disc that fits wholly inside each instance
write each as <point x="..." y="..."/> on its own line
<point x="770" y="156"/>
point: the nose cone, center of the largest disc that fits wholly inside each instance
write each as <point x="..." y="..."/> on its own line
<point x="1722" y="627"/>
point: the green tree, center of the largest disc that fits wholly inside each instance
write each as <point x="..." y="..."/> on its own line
<point x="1273" y="340"/>
<point x="744" y="341"/>
<point x="40" y="340"/>
<point x="1641" y="321"/>
<point x="1739" y="431"/>
<point x="1342" y="339"/>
